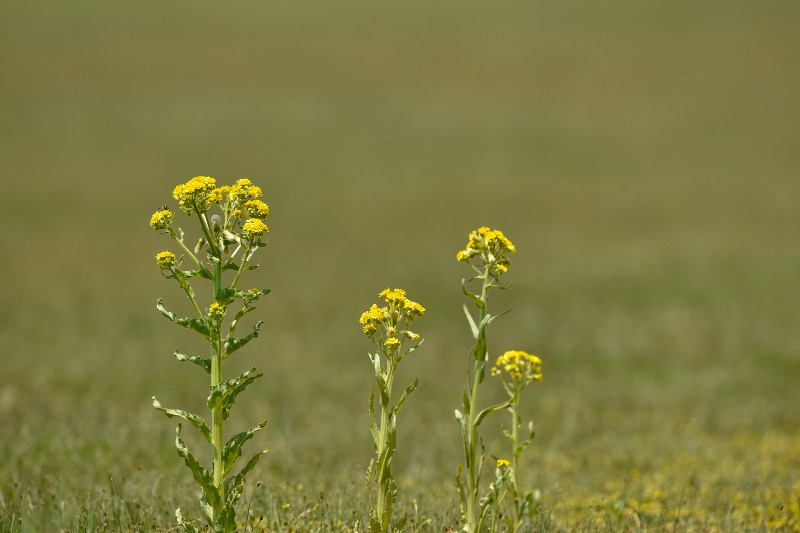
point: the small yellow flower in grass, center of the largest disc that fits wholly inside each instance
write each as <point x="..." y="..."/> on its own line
<point x="503" y="463"/>
<point x="194" y="194"/>
<point x="165" y="260"/>
<point x="256" y="208"/>
<point x="254" y="226"/>
<point x="161" y="219"/>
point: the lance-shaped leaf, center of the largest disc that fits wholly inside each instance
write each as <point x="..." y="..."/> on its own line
<point x="373" y="425"/>
<point x="490" y="409"/>
<point x="474" y="297"/>
<point x="405" y="394"/>
<point x="205" y="364"/>
<point x="233" y="448"/>
<point x="462" y="492"/>
<point x="234" y="343"/>
<point x="224" y="394"/>
<point x="471" y="321"/>
<point x="201" y="475"/>
<point x="201" y="272"/>
<point x="195" y="324"/>
<point x="192" y="418"/>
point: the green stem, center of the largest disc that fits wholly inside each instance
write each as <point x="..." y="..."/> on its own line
<point x="514" y="460"/>
<point x="241" y="267"/>
<point x="217" y="435"/>
<point x="383" y="437"/>
<point x="471" y="443"/>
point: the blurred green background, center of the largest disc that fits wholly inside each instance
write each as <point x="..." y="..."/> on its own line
<point x="643" y="157"/>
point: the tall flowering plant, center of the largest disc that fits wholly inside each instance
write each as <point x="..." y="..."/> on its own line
<point x="232" y="229"/>
<point x="388" y="327"/>
<point x="486" y="254"/>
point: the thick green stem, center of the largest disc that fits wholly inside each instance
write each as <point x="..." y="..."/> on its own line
<point x="217" y="435"/>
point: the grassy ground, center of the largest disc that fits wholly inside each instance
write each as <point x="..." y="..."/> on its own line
<point x="642" y="156"/>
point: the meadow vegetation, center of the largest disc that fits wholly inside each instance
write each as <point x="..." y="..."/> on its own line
<point x="641" y="156"/>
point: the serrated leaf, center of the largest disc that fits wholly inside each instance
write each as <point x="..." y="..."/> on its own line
<point x="224" y="394"/>
<point x="239" y="479"/>
<point x="205" y="364"/>
<point x="233" y="448"/>
<point x="226" y="295"/>
<point x="195" y="420"/>
<point x="201" y="475"/>
<point x="234" y="343"/>
<point x="195" y="324"/>
<point x="405" y="394"/>
<point x="471" y="321"/>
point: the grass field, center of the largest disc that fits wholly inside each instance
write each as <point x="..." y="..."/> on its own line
<point x="643" y="157"/>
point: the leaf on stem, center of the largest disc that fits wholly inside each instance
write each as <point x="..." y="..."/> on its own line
<point x="201" y="475"/>
<point x="474" y="297"/>
<point x="224" y="394"/>
<point x="234" y="343"/>
<point x="195" y="324"/>
<point x="373" y="425"/>
<point x="405" y="394"/>
<point x="490" y="409"/>
<point x="233" y="448"/>
<point x="195" y="420"/>
<point x="471" y="321"/>
<point x="205" y="364"/>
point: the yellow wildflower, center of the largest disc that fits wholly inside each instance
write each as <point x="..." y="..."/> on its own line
<point x="490" y="245"/>
<point x="244" y="190"/>
<point x="391" y="342"/>
<point x="161" y="219"/>
<point x="520" y="366"/>
<point x="254" y="226"/>
<point x="220" y="194"/>
<point x="393" y="295"/>
<point x="413" y="309"/>
<point x="165" y="260"/>
<point x="194" y="194"/>
<point x="216" y="311"/>
<point x="256" y="208"/>
<point x="502" y="463"/>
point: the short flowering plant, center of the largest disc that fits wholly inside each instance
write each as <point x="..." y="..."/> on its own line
<point x="389" y="328"/>
<point x="487" y="254"/>
<point x="232" y="229"/>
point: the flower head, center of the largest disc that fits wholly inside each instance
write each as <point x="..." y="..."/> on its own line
<point x="220" y="194"/>
<point x="216" y="311"/>
<point x="256" y="208"/>
<point x="503" y="463"/>
<point x="521" y="366"/>
<point x="194" y="194"/>
<point x="490" y="247"/>
<point x="161" y="219"/>
<point x="165" y="260"/>
<point x="388" y="325"/>
<point x="244" y="190"/>
<point x="254" y="227"/>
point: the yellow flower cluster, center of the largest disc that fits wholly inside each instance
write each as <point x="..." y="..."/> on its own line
<point x="256" y="208"/>
<point x="491" y="246"/>
<point x="161" y="219"/>
<point x="216" y="311"/>
<point x="521" y="366"/>
<point x="388" y="319"/>
<point x="194" y="195"/>
<point x="165" y="260"/>
<point x="244" y="190"/>
<point x="254" y="226"/>
<point x="503" y="463"/>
